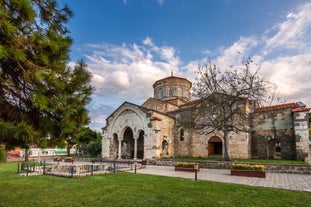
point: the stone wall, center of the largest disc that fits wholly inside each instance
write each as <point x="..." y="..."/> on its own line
<point x="270" y="127"/>
<point x="270" y="168"/>
<point x="301" y="126"/>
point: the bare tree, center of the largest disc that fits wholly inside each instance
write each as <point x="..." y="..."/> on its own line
<point x="227" y="97"/>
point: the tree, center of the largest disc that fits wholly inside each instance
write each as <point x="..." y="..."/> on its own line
<point x="224" y="97"/>
<point x="39" y="94"/>
<point x="88" y="142"/>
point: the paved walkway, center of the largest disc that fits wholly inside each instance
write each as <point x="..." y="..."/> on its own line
<point x="287" y="181"/>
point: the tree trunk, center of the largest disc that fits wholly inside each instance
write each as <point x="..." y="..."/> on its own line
<point x="26" y="155"/>
<point x="68" y="149"/>
<point x="226" y="146"/>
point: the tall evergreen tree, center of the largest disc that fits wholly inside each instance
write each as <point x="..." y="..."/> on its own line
<point x="39" y="94"/>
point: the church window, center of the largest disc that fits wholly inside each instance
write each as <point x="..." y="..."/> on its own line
<point x="170" y="92"/>
<point x="161" y="93"/>
<point x="181" y="134"/>
<point x="180" y="92"/>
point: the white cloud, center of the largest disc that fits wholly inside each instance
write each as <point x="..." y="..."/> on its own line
<point x="130" y="70"/>
<point x="233" y="55"/>
<point x="293" y="33"/>
<point x="126" y="72"/>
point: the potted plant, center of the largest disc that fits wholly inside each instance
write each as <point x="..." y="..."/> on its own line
<point x="69" y="159"/>
<point x="249" y="170"/>
<point x="187" y="166"/>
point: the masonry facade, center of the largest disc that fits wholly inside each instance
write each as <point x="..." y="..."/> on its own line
<point x="151" y="130"/>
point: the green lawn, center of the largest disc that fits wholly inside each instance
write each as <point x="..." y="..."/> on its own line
<point x="128" y="189"/>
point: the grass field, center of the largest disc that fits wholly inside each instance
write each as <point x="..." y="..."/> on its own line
<point x="128" y="189"/>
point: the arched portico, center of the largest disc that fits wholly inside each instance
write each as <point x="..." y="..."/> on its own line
<point x="130" y="145"/>
<point x="127" y="144"/>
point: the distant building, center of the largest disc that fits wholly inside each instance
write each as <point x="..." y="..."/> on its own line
<point x="151" y="131"/>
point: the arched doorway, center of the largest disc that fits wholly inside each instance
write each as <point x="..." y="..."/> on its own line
<point x="274" y="149"/>
<point x="214" y="146"/>
<point x="165" y="148"/>
<point x="127" y="147"/>
<point x="140" y="145"/>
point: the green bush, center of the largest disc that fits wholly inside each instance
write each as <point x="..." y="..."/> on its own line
<point x="239" y="166"/>
<point x="2" y="155"/>
<point x="186" y="164"/>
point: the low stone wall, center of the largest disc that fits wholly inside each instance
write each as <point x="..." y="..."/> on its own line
<point x="271" y="168"/>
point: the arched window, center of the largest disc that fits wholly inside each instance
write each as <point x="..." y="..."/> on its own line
<point x="180" y="92"/>
<point x="170" y="92"/>
<point x="181" y="134"/>
<point x="161" y="93"/>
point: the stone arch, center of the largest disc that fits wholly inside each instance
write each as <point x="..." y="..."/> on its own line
<point x="165" y="151"/>
<point x="215" y="146"/>
<point x="274" y="149"/>
<point x="133" y="114"/>
<point x="140" y="144"/>
<point x="127" y="144"/>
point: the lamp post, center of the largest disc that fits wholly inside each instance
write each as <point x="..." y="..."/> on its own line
<point x="135" y="165"/>
<point x="68" y="145"/>
<point x="196" y="167"/>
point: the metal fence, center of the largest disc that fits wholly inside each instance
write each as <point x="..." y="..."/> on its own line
<point x="77" y="170"/>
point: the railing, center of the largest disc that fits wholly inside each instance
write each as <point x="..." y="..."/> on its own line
<point x="76" y="169"/>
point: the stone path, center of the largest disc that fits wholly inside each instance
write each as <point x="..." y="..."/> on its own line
<point x="287" y="181"/>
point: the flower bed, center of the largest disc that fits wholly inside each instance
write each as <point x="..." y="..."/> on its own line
<point x="248" y="170"/>
<point x="69" y="159"/>
<point x="187" y="167"/>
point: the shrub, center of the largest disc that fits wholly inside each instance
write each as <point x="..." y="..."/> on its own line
<point x="186" y="164"/>
<point x="239" y="166"/>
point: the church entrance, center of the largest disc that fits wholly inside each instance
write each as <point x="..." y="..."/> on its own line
<point x="214" y="146"/>
<point x="127" y="147"/>
<point x="274" y="149"/>
<point x="140" y="145"/>
<point x="165" y="148"/>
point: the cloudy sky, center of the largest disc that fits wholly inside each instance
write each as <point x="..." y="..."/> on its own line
<point x="129" y="44"/>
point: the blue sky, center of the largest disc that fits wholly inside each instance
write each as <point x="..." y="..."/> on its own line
<point x="129" y="44"/>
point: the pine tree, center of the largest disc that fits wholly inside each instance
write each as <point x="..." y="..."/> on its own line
<point x="39" y="94"/>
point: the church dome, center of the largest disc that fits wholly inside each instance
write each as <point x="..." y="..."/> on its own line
<point x="172" y="87"/>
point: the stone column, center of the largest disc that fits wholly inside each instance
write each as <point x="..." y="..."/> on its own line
<point x="119" y="151"/>
<point x="135" y="148"/>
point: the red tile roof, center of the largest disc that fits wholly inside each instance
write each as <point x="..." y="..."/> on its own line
<point x="300" y="109"/>
<point x="277" y="107"/>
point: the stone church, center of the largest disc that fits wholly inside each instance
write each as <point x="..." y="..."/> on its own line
<point x="151" y="131"/>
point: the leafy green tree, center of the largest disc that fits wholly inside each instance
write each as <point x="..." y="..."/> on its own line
<point x="88" y="142"/>
<point x="39" y="94"/>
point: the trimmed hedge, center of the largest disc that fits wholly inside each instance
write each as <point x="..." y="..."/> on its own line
<point x="238" y="166"/>
<point x="186" y="164"/>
